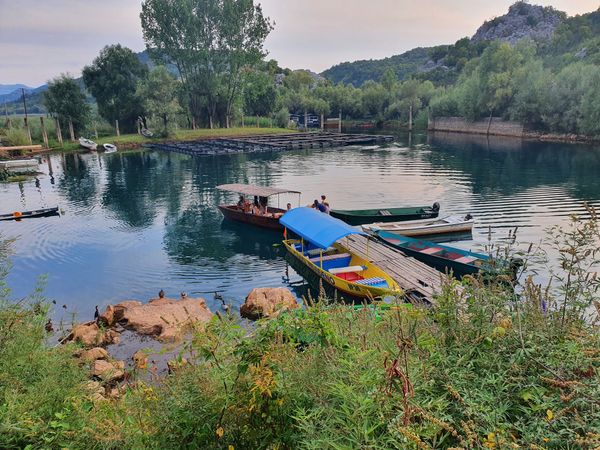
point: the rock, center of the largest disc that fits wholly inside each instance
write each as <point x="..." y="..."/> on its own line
<point x="109" y="371"/>
<point x="120" y="308"/>
<point x="90" y="335"/>
<point x="107" y="318"/>
<point x="164" y="318"/>
<point x="96" y="390"/>
<point x="267" y="302"/>
<point x="93" y="354"/>
<point x="140" y="360"/>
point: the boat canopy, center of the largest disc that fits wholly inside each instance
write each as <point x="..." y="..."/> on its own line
<point x="259" y="191"/>
<point x="316" y="227"/>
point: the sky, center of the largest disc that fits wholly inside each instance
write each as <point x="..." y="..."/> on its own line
<point x="40" y="39"/>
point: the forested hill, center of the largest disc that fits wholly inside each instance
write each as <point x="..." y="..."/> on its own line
<point x="442" y="64"/>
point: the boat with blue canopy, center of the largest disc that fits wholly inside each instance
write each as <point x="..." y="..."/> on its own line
<point x="319" y="248"/>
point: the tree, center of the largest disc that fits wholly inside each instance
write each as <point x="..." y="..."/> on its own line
<point x="112" y="79"/>
<point x="211" y="42"/>
<point x="65" y="100"/>
<point x="259" y="94"/>
<point x="159" y="95"/>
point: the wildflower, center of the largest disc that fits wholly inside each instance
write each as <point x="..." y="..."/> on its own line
<point x="220" y="431"/>
<point x="549" y="415"/>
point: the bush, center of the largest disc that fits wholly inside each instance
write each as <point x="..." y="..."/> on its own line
<point x="16" y="136"/>
<point x="282" y="118"/>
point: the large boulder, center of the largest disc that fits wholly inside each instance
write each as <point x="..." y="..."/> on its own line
<point x="120" y="308"/>
<point x="107" y="318"/>
<point x="93" y="354"/>
<point x="109" y="371"/>
<point x="267" y="302"/>
<point x="164" y="318"/>
<point x="90" y="335"/>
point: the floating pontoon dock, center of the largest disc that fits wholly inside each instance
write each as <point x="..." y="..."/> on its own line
<point x="418" y="280"/>
<point x="270" y="142"/>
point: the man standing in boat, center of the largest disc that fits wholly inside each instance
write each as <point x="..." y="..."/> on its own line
<point x="325" y="203"/>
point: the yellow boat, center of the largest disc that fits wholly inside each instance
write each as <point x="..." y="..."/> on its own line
<point x="320" y="250"/>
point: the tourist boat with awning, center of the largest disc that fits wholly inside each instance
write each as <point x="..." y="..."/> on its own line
<point x="319" y="248"/>
<point x="267" y="216"/>
<point x="365" y="216"/>
<point x="442" y="257"/>
<point x="425" y="227"/>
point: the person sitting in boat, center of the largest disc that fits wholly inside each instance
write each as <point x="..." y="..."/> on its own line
<point x="319" y="206"/>
<point x="263" y="205"/>
<point x="289" y="206"/>
<point x="325" y="203"/>
<point x="241" y="202"/>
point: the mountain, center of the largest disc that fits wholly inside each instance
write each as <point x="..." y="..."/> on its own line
<point x="8" y="88"/>
<point x="441" y="64"/>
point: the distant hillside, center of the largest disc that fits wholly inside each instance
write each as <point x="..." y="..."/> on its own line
<point x="8" y="88"/>
<point x="441" y="64"/>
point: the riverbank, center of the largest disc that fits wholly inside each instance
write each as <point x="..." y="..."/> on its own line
<point x="132" y="141"/>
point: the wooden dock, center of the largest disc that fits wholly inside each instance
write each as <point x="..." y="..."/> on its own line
<point x="420" y="282"/>
<point x="269" y="143"/>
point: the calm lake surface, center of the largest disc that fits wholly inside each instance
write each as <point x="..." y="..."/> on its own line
<point x="138" y="222"/>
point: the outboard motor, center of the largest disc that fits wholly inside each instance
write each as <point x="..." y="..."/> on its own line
<point x="436" y="207"/>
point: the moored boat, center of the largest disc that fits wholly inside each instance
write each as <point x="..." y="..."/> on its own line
<point x="87" y="143"/>
<point x="109" y="148"/>
<point x="18" y="215"/>
<point x="443" y="257"/>
<point x="258" y="213"/>
<point x="19" y="164"/>
<point x="445" y="225"/>
<point x="365" y="216"/>
<point x="319" y="248"/>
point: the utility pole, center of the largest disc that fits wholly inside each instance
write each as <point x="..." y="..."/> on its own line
<point x="26" y="121"/>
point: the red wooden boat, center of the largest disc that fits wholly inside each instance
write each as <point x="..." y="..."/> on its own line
<point x="267" y="217"/>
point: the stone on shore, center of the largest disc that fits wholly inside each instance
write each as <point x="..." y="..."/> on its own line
<point x="267" y="302"/>
<point x="140" y="360"/>
<point x="107" y="318"/>
<point x="163" y="318"/>
<point x="109" y="371"/>
<point x="90" y="335"/>
<point x="120" y="308"/>
<point x="93" y="354"/>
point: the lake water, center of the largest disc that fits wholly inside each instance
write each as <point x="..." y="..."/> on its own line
<point x="138" y="222"/>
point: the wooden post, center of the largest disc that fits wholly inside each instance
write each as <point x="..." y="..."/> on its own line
<point x="44" y="134"/>
<point x="430" y="123"/>
<point x="410" y="120"/>
<point x="340" y="122"/>
<point x="243" y="126"/>
<point x="194" y="122"/>
<point x="28" y="130"/>
<point x="95" y="130"/>
<point x="322" y="122"/>
<point x="58" y="132"/>
<point x="257" y="121"/>
<point x="305" y="120"/>
<point x="117" y="127"/>
<point x="71" y="130"/>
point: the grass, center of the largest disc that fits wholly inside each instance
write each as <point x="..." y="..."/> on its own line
<point x="483" y="369"/>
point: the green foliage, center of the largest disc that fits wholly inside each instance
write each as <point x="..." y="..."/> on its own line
<point x="159" y="96"/>
<point x="65" y="100"/>
<point x="211" y="43"/>
<point x="259" y="94"/>
<point x="112" y="79"/>
<point x="15" y="136"/>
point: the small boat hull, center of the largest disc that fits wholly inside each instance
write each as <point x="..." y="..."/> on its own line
<point x="366" y="216"/>
<point x="441" y="257"/>
<point x="271" y="221"/>
<point x="338" y="281"/>
<point x="425" y="227"/>
<point x="18" y="215"/>
<point x="109" y="148"/>
<point x="88" y="144"/>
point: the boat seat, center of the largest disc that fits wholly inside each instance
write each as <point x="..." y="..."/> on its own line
<point x="373" y="282"/>
<point x="384" y="212"/>
<point x="431" y="250"/>
<point x="317" y="251"/>
<point x="317" y="259"/>
<point x="347" y="269"/>
<point x="466" y="259"/>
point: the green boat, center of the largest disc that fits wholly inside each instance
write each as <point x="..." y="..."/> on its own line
<point x="364" y="216"/>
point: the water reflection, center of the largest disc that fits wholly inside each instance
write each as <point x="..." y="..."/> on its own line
<point x="140" y="221"/>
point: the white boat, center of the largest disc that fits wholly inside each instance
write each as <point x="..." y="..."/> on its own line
<point x="424" y="227"/>
<point x="109" y="148"/>
<point x="146" y="132"/>
<point x="86" y="143"/>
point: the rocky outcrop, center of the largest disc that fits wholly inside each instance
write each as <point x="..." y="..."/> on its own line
<point x="267" y="302"/>
<point x="163" y="318"/>
<point x="90" y="335"/>
<point x="522" y="21"/>
<point x="109" y="371"/>
<point x="93" y="354"/>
